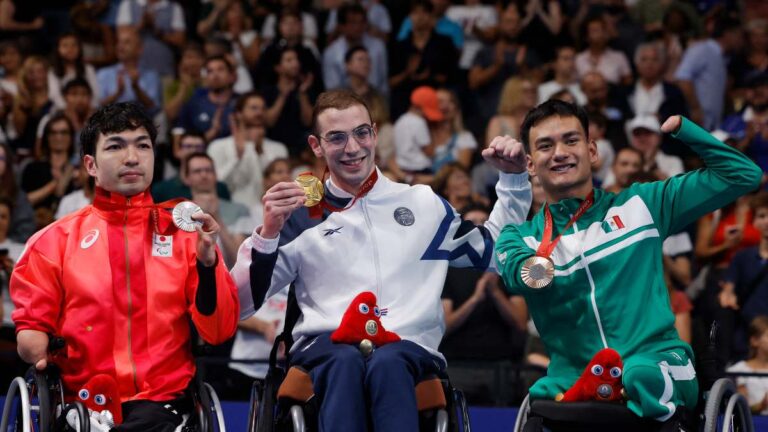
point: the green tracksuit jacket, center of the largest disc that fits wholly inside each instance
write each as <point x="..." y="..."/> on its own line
<point x="609" y="289"/>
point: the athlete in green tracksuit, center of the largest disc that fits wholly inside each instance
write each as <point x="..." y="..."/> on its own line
<point x="608" y="288"/>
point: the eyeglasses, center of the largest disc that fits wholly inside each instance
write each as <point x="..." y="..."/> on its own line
<point x="362" y="135"/>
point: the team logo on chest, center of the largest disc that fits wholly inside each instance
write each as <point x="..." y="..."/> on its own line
<point x="162" y="245"/>
<point x="89" y="239"/>
<point x="404" y="216"/>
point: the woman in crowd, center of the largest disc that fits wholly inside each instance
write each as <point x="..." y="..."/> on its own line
<point x="755" y="389"/>
<point x="67" y="64"/>
<point x="49" y="178"/>
<point x="22" y="224"/>
<point x="518" y="96"/>
<point x="32" y="103"/>
<point x="453" y="183"/>
<point x="453" y="142"/>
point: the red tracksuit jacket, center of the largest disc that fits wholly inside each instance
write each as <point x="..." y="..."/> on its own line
<point x="121" y="296"/>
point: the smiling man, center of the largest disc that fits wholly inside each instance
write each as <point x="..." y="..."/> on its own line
<point x="375" y="235"/>
<point x="120" y="283"/>
<point x="589" y="263"/>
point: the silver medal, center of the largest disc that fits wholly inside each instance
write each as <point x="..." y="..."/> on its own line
<point x="182" y="216"/>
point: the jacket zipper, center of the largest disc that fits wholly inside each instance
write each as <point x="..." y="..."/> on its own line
<point x="130" y="301"/>
<point x="592" y="290"/>
<point x="375" y="250"/>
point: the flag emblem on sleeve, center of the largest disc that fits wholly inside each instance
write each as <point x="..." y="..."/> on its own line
<point x="612" y="224"/>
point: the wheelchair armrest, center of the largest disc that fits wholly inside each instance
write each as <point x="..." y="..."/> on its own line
<point x="598" y="413"/>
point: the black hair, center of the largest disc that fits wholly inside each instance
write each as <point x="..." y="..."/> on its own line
<point x="58" y="63"/>
<point x="220" y="58"/>
<point x="351" y="52"/>
<point x="349" y="9"/>
<point x="45" y="148"/>
<point x="422" y="4"/>
<point x="115" y="118"/>
<point x="194" y="155"/>
<point x="724" y="24"/>
<point x="77" y="82"/>
<point x="552" y="108"/>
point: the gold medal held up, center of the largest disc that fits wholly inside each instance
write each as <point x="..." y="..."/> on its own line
<point x="313" y="189"/>
<point x="537" y="272"/>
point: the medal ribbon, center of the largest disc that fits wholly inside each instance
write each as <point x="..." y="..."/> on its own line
<point x="316" y="212"/>
<point x="168" y="227"/>
<point x="547" y="245"/>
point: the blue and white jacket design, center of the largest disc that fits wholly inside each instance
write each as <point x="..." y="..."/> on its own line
<point x="397" y="241"/>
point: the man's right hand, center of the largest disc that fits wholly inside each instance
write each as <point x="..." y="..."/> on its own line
<point x="279" y="202"/>
<point x="33" y="347"/>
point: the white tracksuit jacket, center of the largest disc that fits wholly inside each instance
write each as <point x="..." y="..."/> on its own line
<point x="397" y="241"/>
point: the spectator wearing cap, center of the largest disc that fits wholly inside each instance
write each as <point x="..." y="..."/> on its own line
<point x="424" y="58"/>
<point x="413" y="143"/>
<point x="353" y="25"/>
<point x="703" y="74"/>
<point x="645" y="135"/>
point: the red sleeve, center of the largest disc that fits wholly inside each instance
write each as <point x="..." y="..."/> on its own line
<point x="35" y="288"/>
<point x="680" y="302"/>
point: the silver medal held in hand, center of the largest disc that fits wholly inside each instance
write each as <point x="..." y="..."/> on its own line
<point x="182" y="216"/>
<point x="537" y="272"/>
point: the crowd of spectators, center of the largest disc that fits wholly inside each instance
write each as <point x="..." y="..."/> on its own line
<point x="231" y="85"/>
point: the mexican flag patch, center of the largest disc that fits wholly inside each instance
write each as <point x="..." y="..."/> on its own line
<point x="612" y="224"/>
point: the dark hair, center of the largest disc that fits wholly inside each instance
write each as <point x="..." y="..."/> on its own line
<point x="760" y="200"/>
<point x="272" y="166"/>
<point x="45" y="148"/>
<point x="552" y="108"/>
<point x="336" y="99"/>
<point x="757" y="327"/>
<point x="115" y="118"/>
<point x="220" y="58"/>
<point x="421" y="4"/>
<point x="193" y="134"/>
<point x="8" y="187"/>
<point x="598" y="118"/>
<point x="637" y="152"/>
<point x="285" y="13"/>
<point x="58" y="63"/>
<point x="193" y="46"/>
<point x="724" y="24"/>
<point x="194" y="155"/>
<point x="349" y="9"/>
<point x="77" y="82"/>
<point x="474" y="206"/>
<point x="243" y="99"/>
<point x="351" y="52"/>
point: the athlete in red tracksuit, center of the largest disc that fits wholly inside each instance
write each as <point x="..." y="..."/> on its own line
<point x="118" y="281"/>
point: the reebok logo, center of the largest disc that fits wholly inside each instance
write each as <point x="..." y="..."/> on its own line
<point x="332" y="231"/>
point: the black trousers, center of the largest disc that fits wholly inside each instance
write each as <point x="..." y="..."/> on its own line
<point x="150" y="416"/>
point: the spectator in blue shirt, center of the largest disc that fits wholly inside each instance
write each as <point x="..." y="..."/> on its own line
<point x="126" y="81"/>
<point x="209" y="109"/>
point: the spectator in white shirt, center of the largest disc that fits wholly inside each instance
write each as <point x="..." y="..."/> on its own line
<point x="612" y="64"/>
<point x="241" y="158"/>
<point x="565" y="77"/>
<point x="480" y="23"/>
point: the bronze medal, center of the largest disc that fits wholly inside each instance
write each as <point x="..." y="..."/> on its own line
<point x="537" y="272"/>
<point x="313" y="189"/>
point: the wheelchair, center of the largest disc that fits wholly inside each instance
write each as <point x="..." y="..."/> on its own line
<point x="285" y="401"/>
<point x="36" y="403"/>
<point x="721" y="408"/>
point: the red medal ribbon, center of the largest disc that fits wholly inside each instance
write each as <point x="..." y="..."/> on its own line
<point x="547" y="245"/>
<point x="316" y="212"/>
<point x="102" y="201"/>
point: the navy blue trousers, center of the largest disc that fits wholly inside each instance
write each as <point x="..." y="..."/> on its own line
<point x="349" y="385"/>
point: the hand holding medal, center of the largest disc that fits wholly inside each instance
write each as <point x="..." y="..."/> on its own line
<point x="189" y="217"/>
<point x="538" y="271"/>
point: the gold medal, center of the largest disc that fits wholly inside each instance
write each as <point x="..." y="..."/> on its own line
<point x="182" y="216"/>
<point x="537" y="272"/>
<point x="313" y="189"/>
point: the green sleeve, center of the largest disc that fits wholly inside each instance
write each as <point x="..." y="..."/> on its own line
<point x="510" y="253"/>
<point x="681" y="200"/>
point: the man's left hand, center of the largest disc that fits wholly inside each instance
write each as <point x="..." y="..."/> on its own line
<point x="506" y="154"/>
<point x="206" y="238"/>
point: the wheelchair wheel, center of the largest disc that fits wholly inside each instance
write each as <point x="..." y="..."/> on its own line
<point x="81" y="412"/>
<point x="30" y="400"/>
<point x="724" y="398"/>
<point x="522" y="414"/>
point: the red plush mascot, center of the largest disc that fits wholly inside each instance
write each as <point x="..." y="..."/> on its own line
<point x="100" y="394"/>
<point x="600" y="381"/>
<point x="361" y="322"/>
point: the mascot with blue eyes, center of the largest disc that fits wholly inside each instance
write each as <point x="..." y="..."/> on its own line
<point x="100" y="396"/>
<point x="361" y="325"/>
<point x="601" y="380"/>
